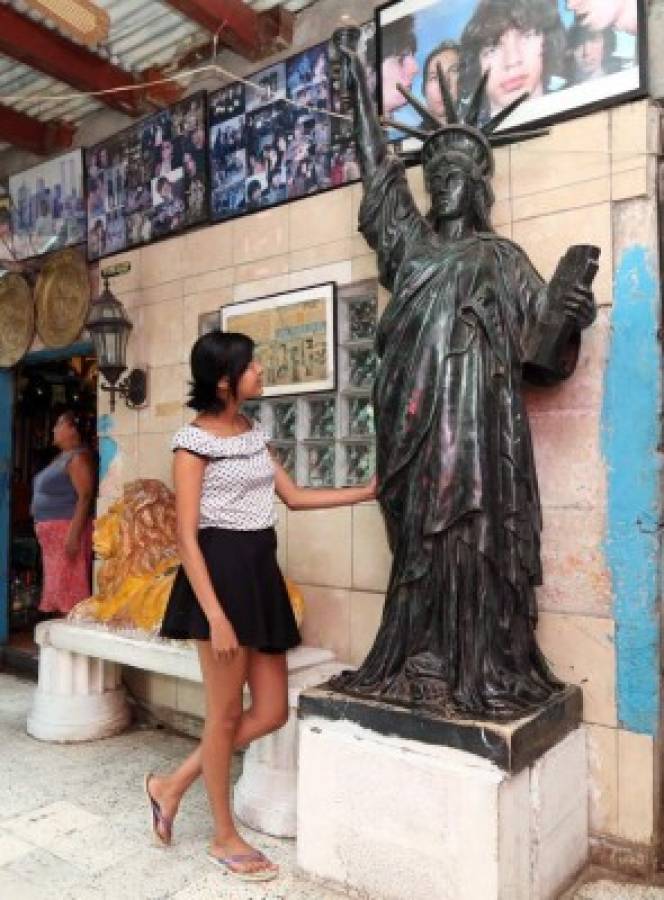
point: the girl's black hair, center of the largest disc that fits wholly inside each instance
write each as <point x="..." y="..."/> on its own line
<point x="217" y="355"/>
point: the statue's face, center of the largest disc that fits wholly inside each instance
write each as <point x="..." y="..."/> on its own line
<point x="451" y="192"/>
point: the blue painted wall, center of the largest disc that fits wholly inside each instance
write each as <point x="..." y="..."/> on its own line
<point x="630" y="438"/>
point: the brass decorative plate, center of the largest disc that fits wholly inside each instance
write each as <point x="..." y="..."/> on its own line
<point x="17" y="318"/>
<point x="62" y="297"/>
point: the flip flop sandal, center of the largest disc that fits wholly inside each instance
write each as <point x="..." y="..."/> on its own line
<point x="162" y="826"/>
<point x="227" y="863"/>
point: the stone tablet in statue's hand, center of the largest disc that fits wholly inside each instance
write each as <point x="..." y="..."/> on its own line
<point x="580" y="305"/>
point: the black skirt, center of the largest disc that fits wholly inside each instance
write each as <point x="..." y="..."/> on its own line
<point x="250" y="588"/>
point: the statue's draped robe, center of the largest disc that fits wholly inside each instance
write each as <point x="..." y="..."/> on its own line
<point x="455" y="467"/>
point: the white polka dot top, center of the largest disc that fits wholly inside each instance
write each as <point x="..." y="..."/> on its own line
<point x="238" y="484"/>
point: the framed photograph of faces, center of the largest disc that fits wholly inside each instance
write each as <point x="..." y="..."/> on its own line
<point x="294" y="334"/>
<point x="148" y="181"/>
<point x="570" y="56"/>
<point x="47" y="206"/>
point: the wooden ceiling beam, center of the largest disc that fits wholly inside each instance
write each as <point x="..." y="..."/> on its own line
<point x="49" y="52"/>
<point x="251" y="34"/>
<point x="42" y="138"/>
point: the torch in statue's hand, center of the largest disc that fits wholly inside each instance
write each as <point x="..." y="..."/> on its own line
<point x="345" y="43"/>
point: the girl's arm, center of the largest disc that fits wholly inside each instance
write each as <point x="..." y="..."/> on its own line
<point x="188" y="471"/>
<point x="82" y="477"/>
<point x="318" y="498"/>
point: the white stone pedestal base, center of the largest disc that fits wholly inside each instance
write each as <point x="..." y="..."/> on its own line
<point x="405" y="820"/>
<point x="265" y="796"/>
<point x="78" y="698"/>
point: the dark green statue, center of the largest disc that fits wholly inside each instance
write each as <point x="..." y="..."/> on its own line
<point x="469" y="318"/>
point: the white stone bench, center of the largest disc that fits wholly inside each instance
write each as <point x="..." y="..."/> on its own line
<point x="79" y="697"/>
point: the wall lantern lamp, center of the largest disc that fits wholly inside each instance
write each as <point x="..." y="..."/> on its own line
<point x="109" y="327"/>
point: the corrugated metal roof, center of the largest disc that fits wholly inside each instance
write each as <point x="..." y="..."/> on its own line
<point x="143" y="33"/>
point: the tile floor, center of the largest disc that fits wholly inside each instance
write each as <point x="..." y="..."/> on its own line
<point x="74" y="825"/>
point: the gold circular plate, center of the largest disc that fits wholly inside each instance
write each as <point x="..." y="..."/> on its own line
<point x="17" y="319"/>
<point x="62" y="298"/>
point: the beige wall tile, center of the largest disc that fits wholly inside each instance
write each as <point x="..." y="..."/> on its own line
<point x="569" y="462"/>
<point x="215" y="280"/>
<point x="576" y="576"/>
<point x="365" y="267"/>
<point x="371" y="555"/>
<point x="334" y="251"/>
<point x="319" y="547"/>
<point x="261" y="269"/>
<point x="193" y="307"/>
<point x="261" y="235"/>
<point x="190" y="698"/>
<point x="501" y="213"/>
<point x="165" y="411"/>
<point x="633" y="180"/>
<point x="366" y="610"/>
<point x="155" y="457"/>
<point x="569" y="167"/>
<point x="162" y="261"/>
<point x="636" y="787"/>
<point x="159" y="329"/>
<point x="581" y="651"/>
<point x="629" y="130"/>
<point x="160" y="293"/>
<point x="359" y="246"/>
<point x="341" y="272"/>
<point x="327" y="619"/>
<point x="584" y="390"/>
<point x="250" y="290"/>
<point x="502" y="187"/>
<point x="321" y="219"/>
<point x="603" y="771"/>
<point x="208" y="248"/>
<point x="546" y="238"/>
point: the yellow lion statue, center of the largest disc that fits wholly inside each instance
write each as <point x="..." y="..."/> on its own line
<point x="136" y="541"/>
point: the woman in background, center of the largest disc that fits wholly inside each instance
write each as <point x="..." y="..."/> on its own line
<point x="61" y="506"/>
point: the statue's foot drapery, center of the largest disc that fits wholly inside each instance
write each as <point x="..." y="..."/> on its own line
<point x="460" y="640"/>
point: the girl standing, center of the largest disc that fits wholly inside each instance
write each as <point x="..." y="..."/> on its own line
<point x="229" y="595"/>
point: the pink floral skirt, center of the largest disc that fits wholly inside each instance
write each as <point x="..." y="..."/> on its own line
<point x="66" y="581"/>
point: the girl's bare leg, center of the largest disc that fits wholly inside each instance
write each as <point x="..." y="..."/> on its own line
<point x="267" y="677"/>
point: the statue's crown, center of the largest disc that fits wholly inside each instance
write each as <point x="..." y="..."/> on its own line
<point x="459" y="133"/>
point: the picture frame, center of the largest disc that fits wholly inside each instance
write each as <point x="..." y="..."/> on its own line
<point x="295" y="337"/>
<point x="209" y="321"/>
<point x="571" y="64"/>
<point x="150" y="180"/>
<point x="47" y="207"/>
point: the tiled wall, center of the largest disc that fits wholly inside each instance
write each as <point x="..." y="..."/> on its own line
<point x="589" y="181"/>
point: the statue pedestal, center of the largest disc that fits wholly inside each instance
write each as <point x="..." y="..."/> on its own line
<point x="405" y="805"/>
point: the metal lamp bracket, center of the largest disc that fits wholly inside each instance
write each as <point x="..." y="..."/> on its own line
<point x="134" y="389"/>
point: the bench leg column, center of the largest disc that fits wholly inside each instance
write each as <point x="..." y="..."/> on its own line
<point x="78" y="698"/>
<point x="265" y="796"/>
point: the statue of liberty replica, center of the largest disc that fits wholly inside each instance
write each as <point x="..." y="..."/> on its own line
<point x="469" y="318"/>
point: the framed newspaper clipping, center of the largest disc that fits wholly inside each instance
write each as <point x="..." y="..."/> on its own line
<point x="294" y="334"/>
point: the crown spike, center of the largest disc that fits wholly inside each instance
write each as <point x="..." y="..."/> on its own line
<point x="500" y="117"/>
<point x="426" y="114"/>
<point x="499" y="140"/>
<point x="448" y="100"/>
<point x="407" y="129"/>
<point x="475" y="105"/>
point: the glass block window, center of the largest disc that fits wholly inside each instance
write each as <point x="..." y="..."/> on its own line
<point x="327" y="440"/>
